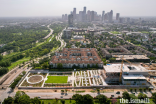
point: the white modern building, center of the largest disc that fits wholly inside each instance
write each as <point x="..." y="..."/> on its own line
<point x="131" y="75"/>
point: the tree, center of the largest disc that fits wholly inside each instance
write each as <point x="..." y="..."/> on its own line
<point x="142" y="96"/>
<point x="59" y="66"/>
<point x="8" y="100"/>
<point x="154" y="97"/>
<point x="103" y="99"/>
<point x="24" y="99"/>
<point x="1" y="57"/>
<point x="126" y="95"/>
<point x="78" y="98"/>
<point x="88" y="66"/>
<point x="35" y="100"/>
<point x="3" y="70"/>
<point x="62" y="101"/>
<point x="24" y="72"/>
<point x="87" y="99"/>
<point x="19" y="94"/>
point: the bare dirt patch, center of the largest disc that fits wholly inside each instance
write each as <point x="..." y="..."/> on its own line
<point x="34" y="79"/>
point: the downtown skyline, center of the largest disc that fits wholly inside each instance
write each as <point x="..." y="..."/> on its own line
<point x="27" y="8"/>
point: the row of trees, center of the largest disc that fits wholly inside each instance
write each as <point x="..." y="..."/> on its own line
<point x="88" y="99"/>
<point x="21" y="98"/>
<point x="3" y="70"/>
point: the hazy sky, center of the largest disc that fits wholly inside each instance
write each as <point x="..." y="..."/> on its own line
<point x="22" y="8"/>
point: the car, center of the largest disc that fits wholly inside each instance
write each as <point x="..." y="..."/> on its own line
<point x="39" y="96"/>
<point x="118" y="92"/>
<point x="112" y="95"/>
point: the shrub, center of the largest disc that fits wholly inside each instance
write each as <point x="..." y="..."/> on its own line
<point x="119" y="97"/>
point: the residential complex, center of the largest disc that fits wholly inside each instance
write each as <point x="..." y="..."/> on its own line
<point x="81" y="57"/>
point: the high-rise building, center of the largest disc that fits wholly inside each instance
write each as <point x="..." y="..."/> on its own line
<point x="80" y="15"/>
<point x="111" y="16"/>
<point x="117" y="16"/>
<point x="63" y="17"/>
<point x="84" y="14"/>
<point x="103" y="13"/>
<point x="66" y="17"/>
<point x="92" y="15"/>
<point x="70" y="20"/>
<point x="105" y="17"/>
<point x="89" y="15"/>
<point x="84" y="10"/>
<point x="74" y="13"/>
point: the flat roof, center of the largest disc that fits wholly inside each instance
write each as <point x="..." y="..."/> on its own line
<point x="130" y="57"/>
<point x="116" y="68"/>
<point x="133" y="77"/>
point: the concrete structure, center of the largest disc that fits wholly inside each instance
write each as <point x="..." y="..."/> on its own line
<point x="67" y="33"/>
<point x="70" y="20"/>
<point x="74" y="14"/>
<point x="117" y="16"/>
<point x="103" y="14"/>
<point x="92" y="15"/>
<point x="108" y="52"/>
<point x="131" y="75"/>
<point x="80" y="57"/>
<point x="111" y="16"/>
<point x="78" y="37"/>
<point x="132" y="58"/>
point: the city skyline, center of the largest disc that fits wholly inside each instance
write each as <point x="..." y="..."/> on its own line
<point x="27" y="8"/>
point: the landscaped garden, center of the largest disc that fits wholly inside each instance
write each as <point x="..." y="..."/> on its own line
<point x="57" y="79"/>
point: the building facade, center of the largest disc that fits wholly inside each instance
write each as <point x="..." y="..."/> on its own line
<point x="79" y="57"/>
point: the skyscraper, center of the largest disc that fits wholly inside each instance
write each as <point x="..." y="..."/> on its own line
<point x="63" y="17"/>
<point x="84" y="10"/>
<point x="111" y="16"/>
<point x="117" y="16"/>
<point x="70" y="20"/>
<point x="92" y="15"/>
<point x="89" y="15"/>
<point x="80" y="15"/>
<point x="66" y="18"/>
<point x="103" y="13"/>
<point x="74" y="13"/>
<point x="84" y="14"/>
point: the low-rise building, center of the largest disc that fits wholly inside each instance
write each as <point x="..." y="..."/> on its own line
<point x="79" y="57"/>
<point x="131" y="74"/>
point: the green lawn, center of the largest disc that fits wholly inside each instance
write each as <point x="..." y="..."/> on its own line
<point x="146" y="32"/>
<point x="18" y="62"/>
<point x="57" y="79"/>
<point x="115" y="32"/>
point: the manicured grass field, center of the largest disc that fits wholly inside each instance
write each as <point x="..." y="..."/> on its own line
<point x="18" y="62"/>
<point x="57" y="79"/>
<point x="115" y="32"/>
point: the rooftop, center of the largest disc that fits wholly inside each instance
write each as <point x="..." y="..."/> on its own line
<point x="133" y="77"/>
<point x="130" y="57"/>
<point x="116" y="68"/>
<point x="77" y="55"/>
